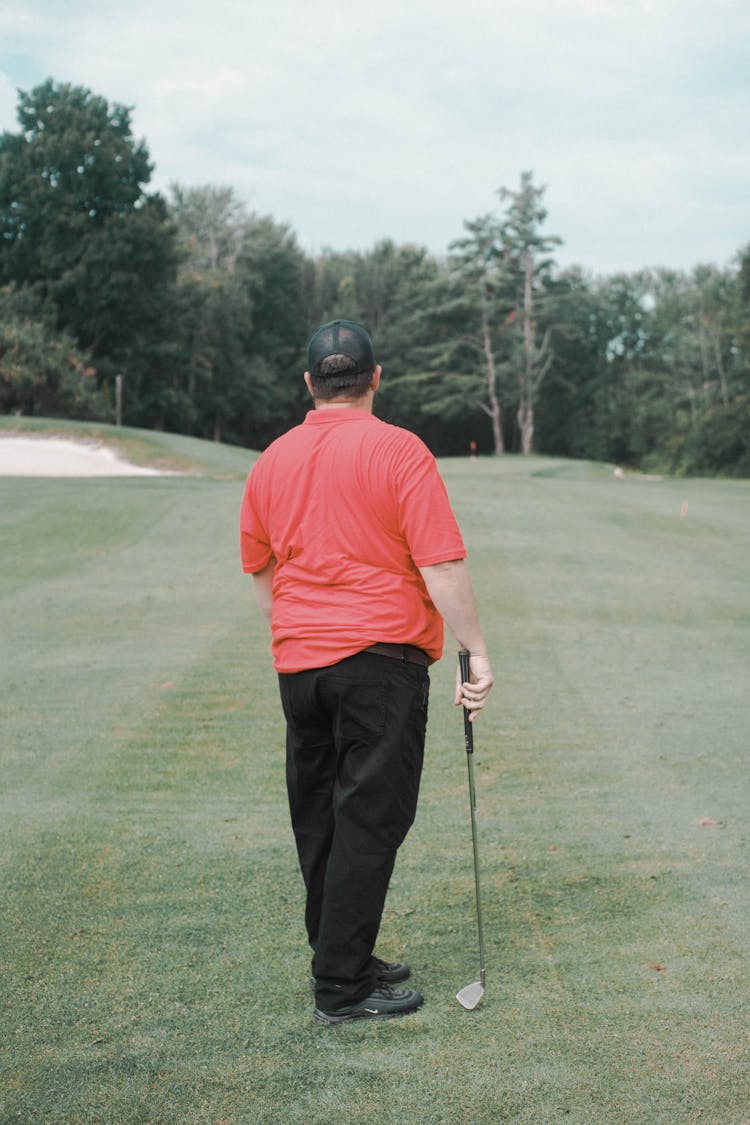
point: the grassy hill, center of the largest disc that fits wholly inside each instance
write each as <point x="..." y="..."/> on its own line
<point x="154" y="965"/>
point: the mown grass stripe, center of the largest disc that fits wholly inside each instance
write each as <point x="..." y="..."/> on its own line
<point x="152" y="939"/>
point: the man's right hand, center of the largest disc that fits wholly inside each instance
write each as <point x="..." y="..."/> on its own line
<point x="473" y="694"/>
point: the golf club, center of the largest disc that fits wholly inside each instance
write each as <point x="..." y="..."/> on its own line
<point x="470" y="996"/>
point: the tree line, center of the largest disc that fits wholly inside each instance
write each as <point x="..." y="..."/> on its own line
<point x="204" y="308"/>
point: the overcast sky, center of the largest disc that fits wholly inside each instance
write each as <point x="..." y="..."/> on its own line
<point x="400" y="119"/>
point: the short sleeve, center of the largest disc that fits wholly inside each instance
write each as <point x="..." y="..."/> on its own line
<point x="426" y="518"/>
<point x="255" y="548"/>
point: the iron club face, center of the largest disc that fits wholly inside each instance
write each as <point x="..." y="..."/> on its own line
<point x="471" y="996"/>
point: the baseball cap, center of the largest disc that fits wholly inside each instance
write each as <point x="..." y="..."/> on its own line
<point x="340" y="337"/>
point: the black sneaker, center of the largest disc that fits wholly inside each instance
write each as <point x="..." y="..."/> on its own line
<point x="390" y="972"/>
<point x="383" y="1003"/>
<point x="386" y="972"/>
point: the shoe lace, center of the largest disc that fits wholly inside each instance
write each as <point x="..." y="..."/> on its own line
<point x="387" y="991"/>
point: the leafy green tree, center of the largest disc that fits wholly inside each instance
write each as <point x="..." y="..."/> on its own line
<point x="525" y="253"/>
<point x="497" y="356"/>
<point x="369" y="286"/>
<point x="698" y="347"/>
<point x="213" y="312"/>
<point x="567" y="412"/>
<point x="41" y="370"/>
<point x="477" y="301"/>
<point x="242" y="332"/>
<point x="78" y="227"/>
<point x="214" y="366"/>
<point x="398" y="290"/>
<point x="71" y="168"/>
<point x="622" y="327"/>
<point x="654" y="376"/>
<point x="211" y="225"/>
<point x="742" y="363"/>
<point x="391" y="290"/>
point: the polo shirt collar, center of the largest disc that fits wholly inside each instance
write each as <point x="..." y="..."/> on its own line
<point x="337" y="414"/>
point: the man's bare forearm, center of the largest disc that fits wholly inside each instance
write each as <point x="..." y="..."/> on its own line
<point x="450" y="588"/>
<point x="449" y="585"/>
<point x="263" y="587"/>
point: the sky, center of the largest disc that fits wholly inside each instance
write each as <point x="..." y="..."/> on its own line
<point x="354" y="122"/>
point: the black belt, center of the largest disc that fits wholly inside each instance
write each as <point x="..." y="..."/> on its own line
<point x="410" y="653"/>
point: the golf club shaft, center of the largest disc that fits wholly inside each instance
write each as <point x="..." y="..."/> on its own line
<point x="480" y="935"/>
<point x="464" y="665"/>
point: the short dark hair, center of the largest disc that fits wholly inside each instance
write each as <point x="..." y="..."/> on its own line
<point x="338" y="376"/>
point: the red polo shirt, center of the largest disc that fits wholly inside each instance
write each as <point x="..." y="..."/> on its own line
<point x="350" y="507"/>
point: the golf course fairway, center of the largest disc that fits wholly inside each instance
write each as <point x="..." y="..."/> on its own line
<point x="153" y="952"/>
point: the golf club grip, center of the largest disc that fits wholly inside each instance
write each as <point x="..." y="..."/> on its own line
<point x="465" y="669"/>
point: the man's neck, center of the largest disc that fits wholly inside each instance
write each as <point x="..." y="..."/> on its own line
<point x="364" y="403"/>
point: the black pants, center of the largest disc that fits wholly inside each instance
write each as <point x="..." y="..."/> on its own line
<point x="355" y="744"/>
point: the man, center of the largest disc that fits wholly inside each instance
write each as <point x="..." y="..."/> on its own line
<point x="357" y="559"/>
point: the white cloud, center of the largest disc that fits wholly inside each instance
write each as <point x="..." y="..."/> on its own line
<point x="8" y="100"/>
<point x="352" y="122"/>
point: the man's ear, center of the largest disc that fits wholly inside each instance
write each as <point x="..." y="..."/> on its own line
<point x="308" y="383"/>
<point x="376" y="378"/>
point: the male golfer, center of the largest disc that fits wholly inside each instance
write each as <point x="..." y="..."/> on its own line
<point x="357" y="559"/>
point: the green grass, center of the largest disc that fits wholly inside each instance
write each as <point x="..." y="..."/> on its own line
<point x="154" y="965"/>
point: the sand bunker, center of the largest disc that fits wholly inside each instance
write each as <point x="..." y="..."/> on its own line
<point x="62" y="457"/>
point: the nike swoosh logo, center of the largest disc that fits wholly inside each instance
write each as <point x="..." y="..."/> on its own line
<point x="372" y="1011"/>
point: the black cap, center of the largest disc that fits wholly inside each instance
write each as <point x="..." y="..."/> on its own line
<point x="340" y="337"/>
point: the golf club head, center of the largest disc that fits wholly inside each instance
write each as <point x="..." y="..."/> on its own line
<point x="471" y="996"/>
